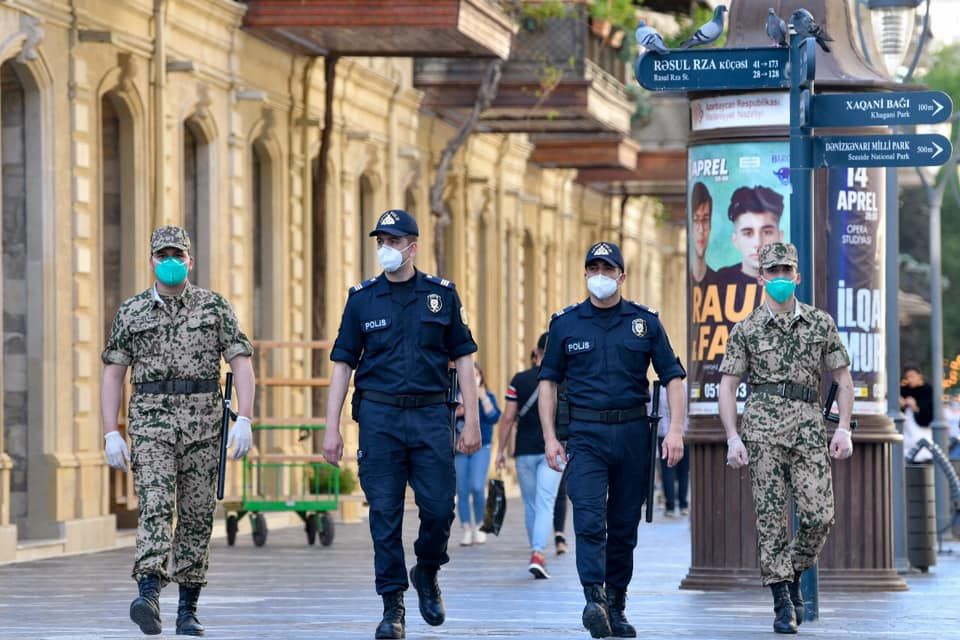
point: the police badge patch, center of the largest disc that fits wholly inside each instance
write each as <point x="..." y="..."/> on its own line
<point x="639" y="327"/>
<point x="463" y="316"/>
<point x="434" y="303"/>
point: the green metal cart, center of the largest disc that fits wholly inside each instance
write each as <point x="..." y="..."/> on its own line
<point x="300" y="482"/>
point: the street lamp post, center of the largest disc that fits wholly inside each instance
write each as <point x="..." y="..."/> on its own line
<point x="896" y="22"/>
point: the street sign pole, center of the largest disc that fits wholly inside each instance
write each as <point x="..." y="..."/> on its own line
<point x="803" y="61"/>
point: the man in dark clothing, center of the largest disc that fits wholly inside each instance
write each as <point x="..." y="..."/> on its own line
<point x="538" y="482"/>
<point x="916" y="394"/>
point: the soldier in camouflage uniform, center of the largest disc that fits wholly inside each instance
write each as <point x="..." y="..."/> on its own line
<point x="173" y="335"/>
<point x="781" y="347"/>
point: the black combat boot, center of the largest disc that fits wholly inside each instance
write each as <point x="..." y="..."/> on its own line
<point x="616" y="603"/>
<point x="428" y="593"/>
<point x="596" y="619"/>
<point x="394" y="621"/>
<point x="145" y="609"/>
<point x="187" y="623"/>
<point x="796" y="597"/>
<point x="785" y="619"/>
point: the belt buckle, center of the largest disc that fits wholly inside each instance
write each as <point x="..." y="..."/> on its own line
<point x="782" y="389"/>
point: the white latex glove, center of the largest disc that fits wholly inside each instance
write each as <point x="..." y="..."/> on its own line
<point x="118" y="455"/>
<point x="841" y="446"/>
<point x="736" y="453"/>
<point x="240" y="437"/>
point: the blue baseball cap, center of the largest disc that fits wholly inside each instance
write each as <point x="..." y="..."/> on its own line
<point x="396" y="222"/>
<point x="606" y="251"/>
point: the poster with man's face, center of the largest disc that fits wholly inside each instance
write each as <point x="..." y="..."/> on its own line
<point x="737" y="201"/>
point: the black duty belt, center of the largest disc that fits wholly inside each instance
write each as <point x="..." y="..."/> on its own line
<point x="788" y="390"/>
<point x="179" y="387"/>
<point x="608" y="416"/>
<point x="405" y="402"/>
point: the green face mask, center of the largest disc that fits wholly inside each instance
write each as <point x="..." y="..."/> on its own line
<point x="171" y="271"/>
<point x="780" y="289"/>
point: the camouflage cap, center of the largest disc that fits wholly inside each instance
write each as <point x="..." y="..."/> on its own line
<point x="778" y="253"/>
<point x="169" y="236"/>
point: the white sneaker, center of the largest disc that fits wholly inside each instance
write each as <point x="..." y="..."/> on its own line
<point x="467" y="537"/>
<point x="479" y="537"/>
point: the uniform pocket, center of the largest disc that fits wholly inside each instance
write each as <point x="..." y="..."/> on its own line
<point x="376" y="334"/>
<point x="203" y="333"/>
<point x="635" y="355"/>
<point x="147" y="338"/>
<point x="433" y="327"/>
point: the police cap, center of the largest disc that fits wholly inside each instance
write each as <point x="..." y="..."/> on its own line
<point x="606" y="251"/>
<point x="396" y="222"/>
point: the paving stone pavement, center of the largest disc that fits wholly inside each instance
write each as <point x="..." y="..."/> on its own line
<point x="288" y="589"/>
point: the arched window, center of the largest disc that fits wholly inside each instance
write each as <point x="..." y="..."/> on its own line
<point x="196" y="199"/>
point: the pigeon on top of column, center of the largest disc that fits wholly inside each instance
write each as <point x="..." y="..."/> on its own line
<point x="649" y="39"/>
<point x="803" y="23"/>
<point x="707" y="32"/>
<point x="776" y="28"/>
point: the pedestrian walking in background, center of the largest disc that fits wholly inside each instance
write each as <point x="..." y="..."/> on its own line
<point x="399" y="331"/>
<point x="602" y="347"/>
<point x="676" y="479"/>
<point x="172" y="336"/>
<point x="538" y="482"/>
<point x="472" y="469"/>
<point x="781" y="347"/>
<point x="560" y="516"/>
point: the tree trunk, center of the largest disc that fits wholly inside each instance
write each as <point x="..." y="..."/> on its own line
<point x="441" y="214"/>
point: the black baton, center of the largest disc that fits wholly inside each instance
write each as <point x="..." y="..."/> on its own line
<point x="224" y="428"/>
<point x="654" y="420"/>
<point x="453" y="387"/>
<point x="834" y="417"/>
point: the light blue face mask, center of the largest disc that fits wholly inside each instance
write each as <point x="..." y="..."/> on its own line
<point x="171" y="271"/>
<point x="780" y="289"/>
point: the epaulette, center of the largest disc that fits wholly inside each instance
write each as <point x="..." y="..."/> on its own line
<point x="440" y="281"/>
<point x="363" y="285"/>
<point x="564" y="310"/>
<point x="643" y="307"/>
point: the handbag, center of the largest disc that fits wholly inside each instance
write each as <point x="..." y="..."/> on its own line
<point x="496" y="507"/>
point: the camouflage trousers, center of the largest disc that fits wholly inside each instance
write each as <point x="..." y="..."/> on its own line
<point x="776" y="474"/>
<point x="174" y="462"/>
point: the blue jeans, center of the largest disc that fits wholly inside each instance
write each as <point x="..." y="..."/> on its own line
<point x="472" y="482"/>
<point x="538" y="486"/>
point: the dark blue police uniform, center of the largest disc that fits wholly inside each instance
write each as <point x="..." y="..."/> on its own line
<point x="604" y="354"/>
<point x="400" y="338"/>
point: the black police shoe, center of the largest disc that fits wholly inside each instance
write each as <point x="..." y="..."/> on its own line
<point x="596" y="619"/>
<point x="145" y="609"/>
<point x="394" y="620"/>
<point x="187" y="623"/>
<point x="616" y="603"/>
<point x="784" y="619"/>
<point x="428" y="592"/>
<point x="796" y="597"/>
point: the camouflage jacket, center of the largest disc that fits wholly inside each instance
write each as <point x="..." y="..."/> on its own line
<point x="175" y="338"/>
<point x="794" y="349"/>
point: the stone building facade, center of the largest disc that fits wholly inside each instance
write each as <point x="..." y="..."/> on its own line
<point x="116" y="117"/>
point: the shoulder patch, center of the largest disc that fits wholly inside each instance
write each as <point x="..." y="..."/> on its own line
<point x="564" y="310"/>
<point x="440" y="281"/>
<point x="363" y="285"/>
<point x="643" y="307"/>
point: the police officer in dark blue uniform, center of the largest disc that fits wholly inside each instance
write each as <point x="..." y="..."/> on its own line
<point x="603" y="347"/>
<point x="399" y="331"/>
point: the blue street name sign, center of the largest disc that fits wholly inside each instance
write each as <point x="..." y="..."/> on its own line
<point x="711" y="69"/>
<point x="880" y="109"/>
<point x="918" y="150"/>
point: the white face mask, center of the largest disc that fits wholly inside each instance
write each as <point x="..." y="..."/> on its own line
<point x="391" y="259"/>
<point x="601" y="286"/>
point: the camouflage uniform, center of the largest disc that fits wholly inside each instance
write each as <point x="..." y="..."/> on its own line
<point x="175" y="438"/>
<point x="785" y="438"/>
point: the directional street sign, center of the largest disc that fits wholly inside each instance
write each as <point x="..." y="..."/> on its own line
<point x="880" y="109"/>
<point x="918" y="150"/>
<point x="711" y="69"/>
